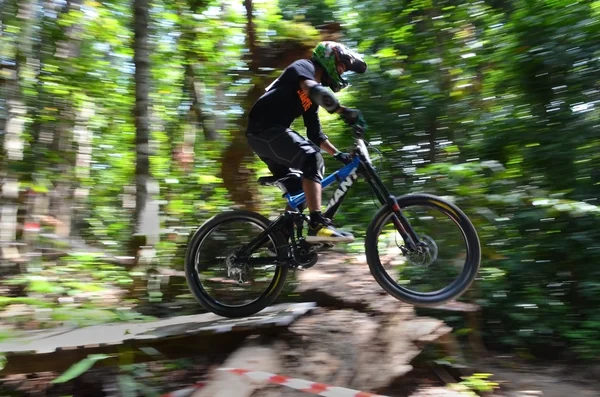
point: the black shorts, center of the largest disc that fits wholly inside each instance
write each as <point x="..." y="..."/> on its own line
<point x="281" y="149"/>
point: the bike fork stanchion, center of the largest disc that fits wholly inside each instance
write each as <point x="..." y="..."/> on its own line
<point x="408" y="234"/>
<point x="400" y="222"/>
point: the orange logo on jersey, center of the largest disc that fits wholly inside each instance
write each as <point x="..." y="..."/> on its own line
<point x="306" y="102"/>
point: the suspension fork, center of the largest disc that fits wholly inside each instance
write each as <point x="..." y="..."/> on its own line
<point x="386" y="198"/>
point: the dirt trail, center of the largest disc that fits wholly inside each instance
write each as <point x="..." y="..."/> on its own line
<point x="521" y="380"/>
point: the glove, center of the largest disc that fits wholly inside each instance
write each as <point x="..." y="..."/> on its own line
<point x="345" y="158"/>
<point x="353" y="117"/>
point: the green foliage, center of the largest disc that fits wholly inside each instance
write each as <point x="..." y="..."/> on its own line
<point x="133" y="379"/>
<point x="492" y="108"/>
<point x="536" y="286"/>
<point x="81" y="367"/>
<point x="128" y="380"/>
<point x="476" y="384"/>
<point x="493" y="105"/>
<point x="74" y="291"/>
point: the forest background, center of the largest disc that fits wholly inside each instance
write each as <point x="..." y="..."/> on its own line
<point x="122" y="125"/>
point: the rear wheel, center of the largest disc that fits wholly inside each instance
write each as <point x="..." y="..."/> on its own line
<point x="221" y="281"/>
<point x="445" y="265"/>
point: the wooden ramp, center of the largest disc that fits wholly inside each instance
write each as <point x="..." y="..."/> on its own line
<point x="174" y="337"/>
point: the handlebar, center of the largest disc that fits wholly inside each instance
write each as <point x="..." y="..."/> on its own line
<point x="361" y="144"/>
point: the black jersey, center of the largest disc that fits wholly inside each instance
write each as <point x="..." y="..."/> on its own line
<point x="285" y="101"/>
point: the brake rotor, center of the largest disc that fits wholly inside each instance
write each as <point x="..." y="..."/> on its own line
<point x="425" y="254"/>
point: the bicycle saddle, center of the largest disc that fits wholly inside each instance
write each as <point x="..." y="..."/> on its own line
<point x="269" y="180"/>
<point x="272" y="180"/>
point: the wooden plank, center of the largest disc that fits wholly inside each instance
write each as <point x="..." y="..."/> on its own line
<point x="185" y="346"/>
<point x="70" y="345"/>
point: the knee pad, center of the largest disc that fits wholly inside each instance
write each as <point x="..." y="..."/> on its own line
<point x="313" y="167"/>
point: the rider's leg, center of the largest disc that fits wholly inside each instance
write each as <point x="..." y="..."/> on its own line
<point x="312" y="190"/>
<point x="293" y="183"/>
<point x="288" y="148"/>
<point x="313" y="167"/>
<point x="320" y="228"/>
<point x="282" y="149"/>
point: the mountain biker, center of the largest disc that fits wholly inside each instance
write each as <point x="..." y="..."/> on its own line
<point x="299" y="91"/>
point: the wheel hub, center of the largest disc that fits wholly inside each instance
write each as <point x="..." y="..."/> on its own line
<point x="425" y="254"/>
<point x="237" y="270"/>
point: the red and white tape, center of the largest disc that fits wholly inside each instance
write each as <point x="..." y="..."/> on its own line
<point x="31" y="227"/>
<point x="320" y="389"/>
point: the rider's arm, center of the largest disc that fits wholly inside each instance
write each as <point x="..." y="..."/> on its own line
<point x="312" y="123"/>
<point x="314" y="132"/>
<point x="328" y="147"/>
<point x="321" y="96"/>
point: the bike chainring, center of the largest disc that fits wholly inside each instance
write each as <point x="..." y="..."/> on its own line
<point x="305" y="255"/>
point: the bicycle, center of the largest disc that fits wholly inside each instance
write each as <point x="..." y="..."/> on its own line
<point x="258" y="253"/>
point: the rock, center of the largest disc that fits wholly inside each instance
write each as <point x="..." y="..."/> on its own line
<point x="398" y="341"/>
<point x="224" y="384"/>
<point x="350" y="349"/>
<point x="323" y="348"/>
<point x="339" y="282"/>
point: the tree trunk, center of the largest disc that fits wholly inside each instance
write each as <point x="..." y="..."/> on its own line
<point x="235" y="176"/>
<point x="35" y="155"/>
<point x="15" y="124"/>
<point x="68" y="50"/>
<point x="14" y="151"/>
<point x="13" y="143"/>
<point x="83" y="160"/>
<point x="196" y="90"/>
<point x="193" y="84"/>
<point x="141" y="60"/>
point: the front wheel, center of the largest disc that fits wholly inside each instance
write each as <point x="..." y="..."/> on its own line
<point x="442" y="268"/>
<point x="226" y="283"/>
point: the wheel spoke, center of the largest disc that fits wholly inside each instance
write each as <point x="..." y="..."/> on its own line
<point x="443" y="264"/>
<point x="229" y="281"/>
<point x="424" y="269"/>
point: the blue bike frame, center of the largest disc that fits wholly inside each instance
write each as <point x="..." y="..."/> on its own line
<point x="346" y="175"/>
